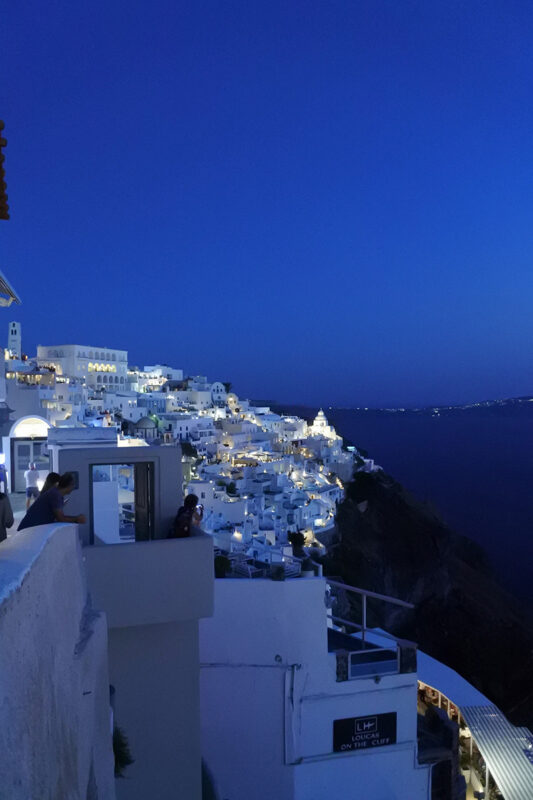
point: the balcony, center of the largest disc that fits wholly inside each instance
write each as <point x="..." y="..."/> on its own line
<point x="368" y="652"/>
<point x="156" y="581"/>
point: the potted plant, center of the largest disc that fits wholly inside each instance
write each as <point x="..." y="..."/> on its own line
<point x="121" y="751"/>
<point x="222" y="566"/>
<point x="277" y="572"/>
<point x="308" y="570"/>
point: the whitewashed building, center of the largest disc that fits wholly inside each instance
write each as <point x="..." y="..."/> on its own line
<point x="97" y="366"/>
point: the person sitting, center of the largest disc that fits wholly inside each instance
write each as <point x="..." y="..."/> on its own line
<point x="51" y="481"/>
<point x="48" y="507"/>
<point x="6" y="516"/>
<point x="186" y="518"/>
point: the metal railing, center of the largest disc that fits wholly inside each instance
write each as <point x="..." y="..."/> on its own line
<point x="371" y="658"/>
<point x="364" y="594"/>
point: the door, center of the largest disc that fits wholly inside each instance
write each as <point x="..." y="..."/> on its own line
<point x="22" y="457"/>
<point x="24" y="452"/>
<point x="144" y="480"/>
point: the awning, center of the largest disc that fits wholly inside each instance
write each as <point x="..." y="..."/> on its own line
<point x="507" y="750"/>
<point x="7" y="290"/>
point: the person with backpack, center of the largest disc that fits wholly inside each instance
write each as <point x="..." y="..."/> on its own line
<point x="187" y="517"/>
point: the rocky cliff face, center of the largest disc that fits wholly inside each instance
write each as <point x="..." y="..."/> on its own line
<point x="391" y="544"/>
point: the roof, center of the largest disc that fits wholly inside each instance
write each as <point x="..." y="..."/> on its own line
<point x="503" y="746"/>
<point x="7" y="289"/>
<point x="145" y="422"/>
<point x="507" y="750"/>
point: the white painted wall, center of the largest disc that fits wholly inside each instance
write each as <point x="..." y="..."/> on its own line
<point x="154" y="594"/>
<point x="154" y="669"/>
<point x="106" y="511"/>
<point x="55" y="734"/>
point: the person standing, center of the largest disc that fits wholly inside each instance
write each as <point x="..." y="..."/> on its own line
<point x="31" y="476"/>
<point x="6" y="516"/>
<point x="48" y="507"/>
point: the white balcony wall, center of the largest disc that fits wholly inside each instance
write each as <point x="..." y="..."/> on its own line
<point x="55" y="717"/>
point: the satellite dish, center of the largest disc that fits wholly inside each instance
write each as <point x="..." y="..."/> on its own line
<point x="7" y="289"/>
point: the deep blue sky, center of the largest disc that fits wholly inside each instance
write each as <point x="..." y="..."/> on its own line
<point x="324" y="202"/>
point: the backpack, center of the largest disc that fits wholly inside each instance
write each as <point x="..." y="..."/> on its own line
<point x="182" y="524"/>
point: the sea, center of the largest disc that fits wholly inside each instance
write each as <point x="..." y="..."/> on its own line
<point x="473" y="464"/>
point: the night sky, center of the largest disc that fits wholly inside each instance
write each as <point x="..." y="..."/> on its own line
<point x="323" y="202"/>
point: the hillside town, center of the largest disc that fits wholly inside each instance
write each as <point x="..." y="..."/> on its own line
<point x="259" y="476"/>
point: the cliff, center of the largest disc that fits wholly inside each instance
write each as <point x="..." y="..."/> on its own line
<point x="391" y="544"/>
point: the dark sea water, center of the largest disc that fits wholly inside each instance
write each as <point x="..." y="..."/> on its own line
<point x="475" y="467"/>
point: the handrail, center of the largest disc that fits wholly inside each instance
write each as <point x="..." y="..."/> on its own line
<point x="371" y="630"/>
<point x="365" y="592"/>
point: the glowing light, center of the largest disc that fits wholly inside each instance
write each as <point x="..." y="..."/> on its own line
<point x="29" y="427"/>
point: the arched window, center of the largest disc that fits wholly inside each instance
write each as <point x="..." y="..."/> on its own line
<point x="122" y="380"/>
<point x="99" y="379"/>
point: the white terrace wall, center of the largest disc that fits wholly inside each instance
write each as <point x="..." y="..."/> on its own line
<point x="55" y="721"/>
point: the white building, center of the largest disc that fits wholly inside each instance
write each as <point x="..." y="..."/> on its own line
<point x="165" y="372"/>
<point x="98" y="366"/>
<point x="321" y="427"/>
<point x="294" y="710"/>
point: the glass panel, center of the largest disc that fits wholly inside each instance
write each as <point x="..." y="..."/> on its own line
<point x="23" y="455"/>
<point x="113" y="488"/>
<point x="40" y="455"/>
